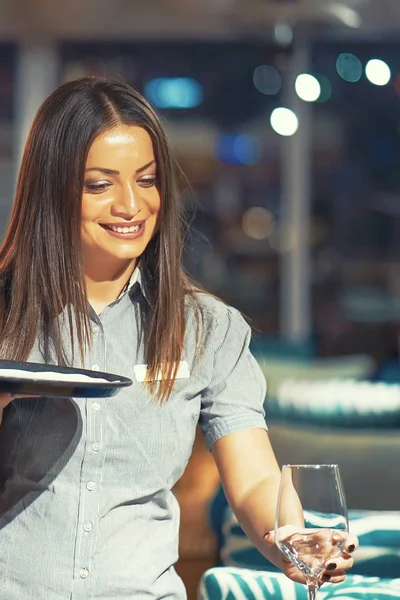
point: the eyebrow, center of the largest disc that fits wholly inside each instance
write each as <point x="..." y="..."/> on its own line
<point x="114" y="172"/>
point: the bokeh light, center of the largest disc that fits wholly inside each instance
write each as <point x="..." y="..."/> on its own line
<point x="326" y="87"/>
<point x="283" y="33"/>
<point x="349" y="67"/>
<point x="174" y="92"/>
<point x="258" y="223"/>
<point x="267" y="79"/>
<point x="284" y="121"/>
<point x="283" y="237"/>
<point x="307" y="87"/>
<point x="238" y="149"/>
<point x="377" y="72"/>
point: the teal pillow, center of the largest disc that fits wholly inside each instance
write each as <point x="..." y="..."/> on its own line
<point x="243" y="584"/>
<point x="378" y="533"/>
<point x="379" y="536"/>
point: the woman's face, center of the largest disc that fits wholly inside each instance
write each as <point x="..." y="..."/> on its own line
<point x="121" y="199"/>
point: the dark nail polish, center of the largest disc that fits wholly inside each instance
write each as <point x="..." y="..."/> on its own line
<point x="351" y="548"/>
<point x="326" y="577"/>
<point x="331" y="566"/>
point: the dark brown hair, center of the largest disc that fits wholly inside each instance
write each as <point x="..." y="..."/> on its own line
<point x="40" y="259"/>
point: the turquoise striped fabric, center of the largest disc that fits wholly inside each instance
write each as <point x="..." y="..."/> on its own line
<point x="228" y="583"/>
<point x="378" y="533"/>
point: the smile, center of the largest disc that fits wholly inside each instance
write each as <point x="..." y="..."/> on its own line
<point x="125" y="231"/>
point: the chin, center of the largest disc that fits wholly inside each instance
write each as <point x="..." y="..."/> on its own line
<point x="126" y="251"/>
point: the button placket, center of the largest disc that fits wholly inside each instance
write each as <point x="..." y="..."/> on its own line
<point x="91" y="474"/>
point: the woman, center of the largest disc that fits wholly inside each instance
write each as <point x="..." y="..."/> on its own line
<point x="86" y="508"/>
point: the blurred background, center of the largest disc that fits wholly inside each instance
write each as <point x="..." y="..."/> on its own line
<point x="285" y="117"/>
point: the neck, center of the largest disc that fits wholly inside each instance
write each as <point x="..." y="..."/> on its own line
<point x="102" y="288"/>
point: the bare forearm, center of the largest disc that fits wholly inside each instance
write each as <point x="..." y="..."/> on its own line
<point x="256" y="515"/>
<point x="251" y="476"/>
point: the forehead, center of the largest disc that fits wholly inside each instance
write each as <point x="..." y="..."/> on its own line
<point x="121" y="143"/>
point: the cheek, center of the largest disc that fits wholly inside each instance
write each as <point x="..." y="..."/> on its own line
<point x="156" y="204"/>
<point x="91" y="210"/>
<point x="86" y="210"/>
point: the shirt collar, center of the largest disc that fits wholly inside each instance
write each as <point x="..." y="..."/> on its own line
<point x="132" y="280"/>
<point x="139" y="281"/>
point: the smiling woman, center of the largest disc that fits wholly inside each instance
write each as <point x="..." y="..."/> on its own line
<point x="92" y="277"/>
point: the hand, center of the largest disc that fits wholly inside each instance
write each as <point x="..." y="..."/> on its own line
<point x="5" y="399"/>
<point x="335" y="567"/>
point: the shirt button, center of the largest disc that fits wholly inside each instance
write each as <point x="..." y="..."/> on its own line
<point x="96" y="406"/>
<point x="90" y="485"/>
<point x="84" y="573"/>
<point x="95" y="368"/>
<point x="96" y="447"/>
<point x="88" y="526"/>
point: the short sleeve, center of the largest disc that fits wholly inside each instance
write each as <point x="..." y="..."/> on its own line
<point x="235" y="396"/>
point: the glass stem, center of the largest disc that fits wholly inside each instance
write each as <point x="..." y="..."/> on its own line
<point x="312" y="591"/>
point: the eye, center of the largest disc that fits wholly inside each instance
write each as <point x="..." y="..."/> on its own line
<point x="96" y="187"/>
<point x="148" y="182"/>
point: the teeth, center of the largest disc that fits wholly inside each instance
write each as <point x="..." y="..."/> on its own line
<point x="131" y="229"/>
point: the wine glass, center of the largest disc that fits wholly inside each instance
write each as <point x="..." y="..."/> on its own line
<point x="311" y="524"/>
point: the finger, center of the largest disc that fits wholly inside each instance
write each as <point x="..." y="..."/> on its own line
<point x="341" y="563"/>
<point x="336" y="577"/>
<point x="351" y="544"/>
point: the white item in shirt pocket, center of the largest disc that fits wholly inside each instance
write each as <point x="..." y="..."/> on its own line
<point x="141" y="372"/>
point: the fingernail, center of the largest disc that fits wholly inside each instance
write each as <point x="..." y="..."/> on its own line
<point x="266" y="534"/>
<point x="351" y="548"/>
<point x="326" y="577"/>
<point x="331" y="566"/>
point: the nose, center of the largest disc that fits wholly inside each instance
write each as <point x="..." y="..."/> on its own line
<point x="127" y="202"/>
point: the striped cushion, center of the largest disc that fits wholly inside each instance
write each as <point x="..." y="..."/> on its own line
<point x="243" y="584"/>
<point x="379" y="536"/>
<point x="337" y="402"/>
<point x="378" y="533"/>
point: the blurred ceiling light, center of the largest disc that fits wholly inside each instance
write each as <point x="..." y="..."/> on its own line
<point x="377" y="71"/>
<point x="267" y="79"/>
<point x="258" y="223"/>
<point x="345" y="14"/>
<point x="174" y="92"/>
<point x="283" y="33"/>
<point x="307" y="87"/>
<point x="284" y="121"/>
<point x="349" y="67"/>
<point x="238" y="149"/>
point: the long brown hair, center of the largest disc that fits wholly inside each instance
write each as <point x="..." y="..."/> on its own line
<point x="40" y="259"/>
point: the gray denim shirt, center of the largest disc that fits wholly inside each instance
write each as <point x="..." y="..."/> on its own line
<point x="86" y="507"/>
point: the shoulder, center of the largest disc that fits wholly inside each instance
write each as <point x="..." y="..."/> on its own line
<point x="217" y="319"/>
